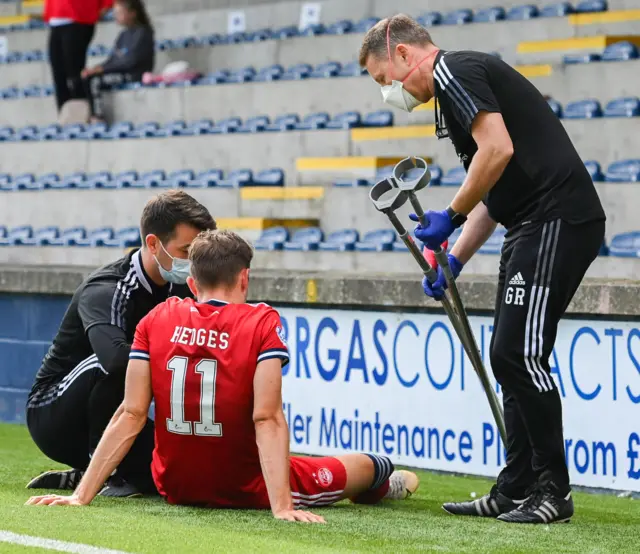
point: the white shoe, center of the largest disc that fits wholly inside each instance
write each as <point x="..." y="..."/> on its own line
<point x="402" y="484"/>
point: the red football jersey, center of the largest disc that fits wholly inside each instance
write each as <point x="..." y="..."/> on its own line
<point x="203" y="359"/>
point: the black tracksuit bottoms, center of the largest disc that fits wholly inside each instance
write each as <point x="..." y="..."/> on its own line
<point x="540" y="271"/>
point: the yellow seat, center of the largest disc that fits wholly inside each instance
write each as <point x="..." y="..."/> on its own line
<point x="261" y="223"/>
<point x="598" y="42"/>
<point x="393" y="133"/>
<point x="616" y="16"/>
<point x="282" y="193"/>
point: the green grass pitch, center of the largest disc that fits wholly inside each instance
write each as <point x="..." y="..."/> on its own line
<point x="603" y="523"/>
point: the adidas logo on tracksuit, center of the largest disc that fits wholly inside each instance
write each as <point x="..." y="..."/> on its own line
<point x="517" y="280"/>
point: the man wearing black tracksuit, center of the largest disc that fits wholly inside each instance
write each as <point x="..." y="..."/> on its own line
<point x="523" y="172"/>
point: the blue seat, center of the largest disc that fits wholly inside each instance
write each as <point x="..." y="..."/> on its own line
<point x="358" y="182"/>
<point x="313" y="30"/>
<point x="595" y="171"/>
<point x="365" y="24"/>
<point x="125" y="179"/>
<point x="273" y="177"/>
<point x="50" y="132"/>
<point x="145" y="130"/>
<point x="153" y="179"/>
<point x="206" y="178"/>
<point x="620" y="52"/>
<point x="489" y="15"/>
<point x="30" y="132"/>
<point x="124" y="238"/>
<point x="429" y="19"/>
<point x="297" y="72"/>
<point x="454" y="177"/>
<point x="201" y="127"/>
<point x="380" y="118"/>
<point x="625" y="245"/>
<point x="345" y="120"/>
<point x="244" y="75"/>
<point x="623" y="107"/>
<point x="352" y="69"/>
<point x="604" y="249"/>
<point x="272" y="239"/>
<point x="24" y="181"/>
<point x="174" y="129"/>
<point x="96" y="237"/>
<point x="5" y="182"/>
<point x="581" y="58"/>
<point x="119" y="130"/>
<point x="101" y="180"/>
<point x="555" y="106"/>
<point x="42" y="237"/>
<point x="582" y="109"/>
<point x="324" y="70"/>
<point x="377" y="241"/>
<point x="10" y="93"/>
<point x="164" y="45"/>
<point x="33" y="91"/>
<point x="3" y="232"/>
<point x="215" y="78"/>
<point x="436" y="174"/>
<point x="269" y="73"/>
<point x="341" y="27"/>
<point x="236" y="38"/>
<point x="343" y="240"/>
<point x="94" y="131"/>
<point x="260" y="35"/>
<point x="494" y="244"/>
<point x="558" y="9"/>
<point x="16" y="235"/>
<point x="624" y="171"/>
<point x="286" y="32"/>
<point x="180" y="178"/>
<point x="254" y="124"/>
<point x="185" y="42"/>
<point x="286" y="122"/>
<point x="237" y="178"/>
<point x="588" y="6"/>
<point x="521" y="13"/>
<point x="457" y="17"/>
<point x="225" y="126"/>
<point x="305" y="239"/>
<point x="71" y="181"/>
<point x="313" y="121"/>
<point x="6" y="133"/>
<point x="48" y="180"/>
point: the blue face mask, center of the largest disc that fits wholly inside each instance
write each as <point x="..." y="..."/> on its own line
<point x="180" y="269"/>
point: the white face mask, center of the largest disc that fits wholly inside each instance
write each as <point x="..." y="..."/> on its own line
<point x="397" y="96"/>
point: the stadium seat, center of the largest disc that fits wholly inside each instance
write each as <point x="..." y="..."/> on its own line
<point x="305" y="239"/>
<point x="286" y="122"/>
<point x="582" y="109"/>
<point x="286" y="32"/>
<point x="237" y="178"/>
<point x="624" y="171"/>
<point x="272" y="239"/>
<point x="559" y="9"/>
<point x="126" y="179"/>
<point x="206" y="178"/>
<point x="313" y="122"/>
<point x="623" y="107"/>
<point x="555" y="106"/>
<point x="489" y="15"/>
<point x="581" y="58"/>
<point x="225" y="126"/>
<point x="42" y="237"/>
<point x="50" y="132"/>
<point x="16" y="235"/>
<point x="297" y="72"/>
<point x="454" y="177"/>
<point x="340" y="241"/>
<point x="345" y="120"/>
<point x="180" y="178"/>
<point x="119" y="130"/>
<point x="604" y="249"/>
<point x="269" y="178"/>
<point x="23" y="182"/>
<point x="436" y="175"/>
<point x="174" y="129"/>
<point x="5" y="182"/>
<point x="352" y="69"/>
<point x="587" y="6"/>
<point x="124" y="238"/>
<point x="244" y="75"/>
<point x="625" y="245"/>
<point x="260" y="36"/>
<point x="94" y="131"/>
<point x="201" y="127"/>
<point x="96" y="237"/>
<point x="269" y="73"/>
<point x="620" y="52"/>
<point x="377" y="241"/>
<point x="30" y="132"/>
<point x="101" y="180"/>
<point x="594" y="170"/>
<point x="153" y="179"/>
<point x="254" y="124"/>
<point x="339" y="27"/>
<point x="353" y="183"/>
<point x="145" y="130"/>
<point x="457" y="17"/>
<point x="70" y="181"/>
<point x="429" y="19"/>
<point x="494" y="244"/>
<point x="381" y="118"/>
<point x="313" y="30"/>
<point x="325" y="70"/>
<point x="365" y="24"/>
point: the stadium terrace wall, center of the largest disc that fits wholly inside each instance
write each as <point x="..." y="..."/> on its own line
<point x="377" y="367"/>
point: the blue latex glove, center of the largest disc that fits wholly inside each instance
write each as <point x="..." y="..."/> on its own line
<point x="437" y="231"/>
<point x="436" y="289"/>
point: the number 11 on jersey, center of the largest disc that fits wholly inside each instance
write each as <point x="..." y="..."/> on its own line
<point x="206" y="427"/>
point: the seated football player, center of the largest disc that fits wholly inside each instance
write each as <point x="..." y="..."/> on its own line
<point x="214" y="368"/>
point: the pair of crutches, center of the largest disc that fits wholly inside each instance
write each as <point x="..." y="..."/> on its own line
<point x="409" y="176"/>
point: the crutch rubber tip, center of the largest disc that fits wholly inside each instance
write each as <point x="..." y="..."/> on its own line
<point x="431" y="257"/>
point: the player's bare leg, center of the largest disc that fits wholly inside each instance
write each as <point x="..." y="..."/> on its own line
<point x="371" y="479"/>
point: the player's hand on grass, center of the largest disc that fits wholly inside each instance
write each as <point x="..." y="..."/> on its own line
<point x="299" y="515"/>
<point x="55" y="500"/>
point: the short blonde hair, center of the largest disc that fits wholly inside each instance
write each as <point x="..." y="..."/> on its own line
<point x="402" y="30"/>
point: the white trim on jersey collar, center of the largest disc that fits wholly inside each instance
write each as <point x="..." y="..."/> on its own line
<point x="136" y="260"/>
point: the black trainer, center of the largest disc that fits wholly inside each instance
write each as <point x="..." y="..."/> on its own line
<point x="490" y="505"/>
<point x="117" y="487"/>
<point x="60" y="480"/>
<point x="546" y="504"/>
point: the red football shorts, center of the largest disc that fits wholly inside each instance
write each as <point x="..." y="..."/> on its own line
<point x="316" y="481"/>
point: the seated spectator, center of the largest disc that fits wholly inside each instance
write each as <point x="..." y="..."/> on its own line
<point x="133" y="54"/>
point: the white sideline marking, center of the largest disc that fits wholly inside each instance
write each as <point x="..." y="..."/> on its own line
<point x="51" y="544"/>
